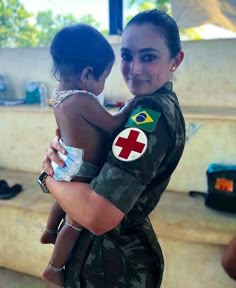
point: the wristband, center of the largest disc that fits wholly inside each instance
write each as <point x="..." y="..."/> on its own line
<point x="42" y="182"/>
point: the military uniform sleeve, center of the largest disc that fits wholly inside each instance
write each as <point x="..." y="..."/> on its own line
<point x="129" y="169"/>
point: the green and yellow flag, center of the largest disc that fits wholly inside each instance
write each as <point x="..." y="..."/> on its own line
<point x="143" y="118"/>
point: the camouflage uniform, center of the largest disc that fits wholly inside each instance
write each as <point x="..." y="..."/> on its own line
<point x="129" y="256"/>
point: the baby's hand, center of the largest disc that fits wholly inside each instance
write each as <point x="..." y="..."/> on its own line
<point x="128" y="106"/>
<point x="51" y="155"/>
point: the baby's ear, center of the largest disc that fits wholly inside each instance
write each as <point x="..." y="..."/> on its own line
<point x="86" y="74"/>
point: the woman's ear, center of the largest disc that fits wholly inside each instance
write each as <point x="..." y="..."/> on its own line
<point x="177" y="61"/>
<point x="86" y="74"/>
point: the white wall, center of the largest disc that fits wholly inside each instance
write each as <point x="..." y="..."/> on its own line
<point x="205" y="78"/>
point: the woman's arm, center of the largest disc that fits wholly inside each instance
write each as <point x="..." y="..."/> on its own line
<point x="86" y="207"/>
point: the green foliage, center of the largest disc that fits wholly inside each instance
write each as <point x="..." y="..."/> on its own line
<point x="88" y="18"/>
<point x="47" y="25"/>
<point x="190" y="33"/>
<point x="18" y="30"/>
<point x="145" y="5"/>
<point x="164" y="5"/>
<point x="15" y="27"/>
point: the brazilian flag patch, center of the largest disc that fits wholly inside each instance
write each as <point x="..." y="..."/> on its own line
<point x="143" y="118"/>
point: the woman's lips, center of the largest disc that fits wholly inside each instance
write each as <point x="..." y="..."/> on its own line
<point x="137" y="82"/>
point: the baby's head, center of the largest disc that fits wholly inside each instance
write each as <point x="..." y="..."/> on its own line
<point x="82" y="52"/>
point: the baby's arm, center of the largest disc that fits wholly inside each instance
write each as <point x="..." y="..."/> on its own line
<point x="97" y="115"/>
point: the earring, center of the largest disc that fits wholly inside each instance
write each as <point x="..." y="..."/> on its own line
<point x="173" y="69"/>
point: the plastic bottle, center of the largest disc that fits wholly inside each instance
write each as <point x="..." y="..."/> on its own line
<point x="32" y="95"/>
<point x="3" y="88"/>
<point x="43" y="95"/>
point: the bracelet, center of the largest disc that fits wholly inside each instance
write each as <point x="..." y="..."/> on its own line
<point x="42" y="182"/>
<point x="53" y="268"/>
<point x="73" y="227"/>
<point x="50" y="231"/>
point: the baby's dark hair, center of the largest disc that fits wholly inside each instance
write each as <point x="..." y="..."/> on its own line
<point x="77" y="46"/>
<point x="165" y="24"/>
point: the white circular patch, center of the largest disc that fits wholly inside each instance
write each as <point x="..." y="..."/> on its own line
<point x="130" y="144"/>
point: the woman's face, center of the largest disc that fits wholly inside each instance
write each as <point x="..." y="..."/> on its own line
<point x="145" y="59"/>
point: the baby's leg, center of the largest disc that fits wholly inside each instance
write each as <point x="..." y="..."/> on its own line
<point x="49" y="234"/>
<point x="64" y="244"/>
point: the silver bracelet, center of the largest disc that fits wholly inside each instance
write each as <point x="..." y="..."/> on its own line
<point x="75" y="228"/>
<point x="53" y="268"/>
<point x="50" y="231"/>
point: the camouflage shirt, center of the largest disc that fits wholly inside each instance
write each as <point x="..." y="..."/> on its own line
<point x="133" y="178"/>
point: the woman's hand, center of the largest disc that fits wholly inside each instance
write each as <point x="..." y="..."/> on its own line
<point x="51" y="154"/>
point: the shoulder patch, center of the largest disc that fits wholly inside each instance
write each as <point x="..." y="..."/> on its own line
<point x="130" y="144"/>
<point x="143" y="118"/>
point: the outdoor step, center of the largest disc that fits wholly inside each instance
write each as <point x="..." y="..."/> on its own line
<point x="22" y="220"/>
<point x="208" y="130"/>
<point x="183" y="225"/>
<point x="13" y="279"/>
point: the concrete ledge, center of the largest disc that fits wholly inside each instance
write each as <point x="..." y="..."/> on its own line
<point x="12" y="279"/>
<point x="188" y="231"/>
<point x="181" y="217"/>
<point x="204" y="126"/>
<point x="21" y="222"/>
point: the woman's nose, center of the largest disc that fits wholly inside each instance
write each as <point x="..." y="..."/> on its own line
<point x="135" y="67"/>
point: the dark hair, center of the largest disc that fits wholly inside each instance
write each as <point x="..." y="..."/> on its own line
<point x="165" y="24"/>
<point x="77" y="46"/>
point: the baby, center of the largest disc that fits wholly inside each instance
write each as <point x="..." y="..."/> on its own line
<point x="82" y="59"/>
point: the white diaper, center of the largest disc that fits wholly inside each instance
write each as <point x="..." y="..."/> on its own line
<point x="74" y="165"/>
<point x="73" y="161"/>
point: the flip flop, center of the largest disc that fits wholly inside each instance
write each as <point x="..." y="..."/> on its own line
<point x="2" y="182"/>
<point x="7" y="192"/>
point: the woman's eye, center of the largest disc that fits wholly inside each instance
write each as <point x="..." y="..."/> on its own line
<point x="126" y="57"/>
<point x="148" y="58"/>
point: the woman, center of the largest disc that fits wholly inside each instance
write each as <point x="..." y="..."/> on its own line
<point x="119" y="247"/>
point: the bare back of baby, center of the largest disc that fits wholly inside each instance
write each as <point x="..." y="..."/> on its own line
<point x="85" y="124"/>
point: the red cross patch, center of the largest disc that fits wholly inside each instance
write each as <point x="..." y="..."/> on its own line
<point x="130" y="144"/>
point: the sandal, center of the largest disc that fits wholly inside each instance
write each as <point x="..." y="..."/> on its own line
<point x="3" y="182"/>
<point x="7" y="192"/>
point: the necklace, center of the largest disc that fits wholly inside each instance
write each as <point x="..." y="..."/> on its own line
<point x="59" y="96"/>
